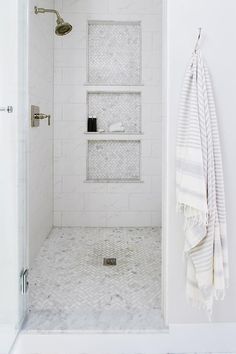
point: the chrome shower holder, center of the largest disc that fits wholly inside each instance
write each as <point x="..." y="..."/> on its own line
<point x="36" y="116"/>
<point x="62" y="27"/>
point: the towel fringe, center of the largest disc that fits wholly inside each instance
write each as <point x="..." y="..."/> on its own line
<point x="192" y="216"/>
<point x="207" y="308"/>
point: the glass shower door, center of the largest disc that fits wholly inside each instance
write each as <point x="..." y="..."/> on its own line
<point x="12" y="210"/>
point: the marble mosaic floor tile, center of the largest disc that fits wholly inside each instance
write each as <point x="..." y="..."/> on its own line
<point x="71" y="289"/>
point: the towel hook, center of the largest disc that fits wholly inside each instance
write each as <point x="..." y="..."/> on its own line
<point x="198" y="39"/>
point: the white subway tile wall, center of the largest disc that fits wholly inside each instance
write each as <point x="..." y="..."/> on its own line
<point x="105" y="204"/>
<point x="40" y="147"/>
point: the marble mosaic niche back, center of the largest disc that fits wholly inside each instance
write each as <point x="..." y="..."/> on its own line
<point x="114" y="53"/>
<point x="113" y="160"/>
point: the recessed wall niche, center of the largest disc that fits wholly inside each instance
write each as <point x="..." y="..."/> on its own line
<point x="114" y="53"/>
<point x="113" y="160"/>
<point x="113" y="107"/>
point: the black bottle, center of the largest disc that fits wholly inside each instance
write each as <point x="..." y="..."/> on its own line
<point x="90" y="124"/>
<point x="94" y="124"/>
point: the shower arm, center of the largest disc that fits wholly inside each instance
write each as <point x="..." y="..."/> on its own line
<point x="41" y="10"/>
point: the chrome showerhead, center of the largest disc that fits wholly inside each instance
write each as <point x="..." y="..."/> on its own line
<point x="62" y="27"/>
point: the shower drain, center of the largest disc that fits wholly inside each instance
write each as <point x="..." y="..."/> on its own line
<point x="109" y="261"/>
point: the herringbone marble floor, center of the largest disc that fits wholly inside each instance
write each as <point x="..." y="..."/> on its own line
<point x="71" y="289"/>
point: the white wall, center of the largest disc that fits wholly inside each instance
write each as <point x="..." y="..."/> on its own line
<point x="105" y="204"/>
<point x="41" y="35"/>
<point x="217" y="19"/>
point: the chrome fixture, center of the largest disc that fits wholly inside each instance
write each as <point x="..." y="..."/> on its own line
<point x="62" y="27"/>
<point x="24" y="280"/>
<point x="8" y="109"/>
<point x="109" y="261"/>
<point x="36" y="116"/>
<point x="198" y="39"/>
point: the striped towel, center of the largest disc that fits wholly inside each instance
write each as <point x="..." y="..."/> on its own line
<point x="200" y="189"/>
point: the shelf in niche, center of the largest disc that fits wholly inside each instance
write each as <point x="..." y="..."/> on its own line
<point x="113" y="181"/>
<point x="138" y="84"/>
<point x="113" y="133"/>
<point x="112" y="107"/>
<point x="113" y="136"/>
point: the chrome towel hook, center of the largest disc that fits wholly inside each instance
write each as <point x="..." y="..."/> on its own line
<point x="198" y="39"/>
<point x="8" y="109"/>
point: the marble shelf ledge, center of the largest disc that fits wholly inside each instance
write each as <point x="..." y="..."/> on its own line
<point x="113" y="133"/>
<point x="138" y="84"/>
<point x="107" y="137"/>
<point x="112" y="181"/>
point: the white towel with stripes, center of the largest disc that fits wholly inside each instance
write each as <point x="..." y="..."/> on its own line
<point x="200" y="189"/>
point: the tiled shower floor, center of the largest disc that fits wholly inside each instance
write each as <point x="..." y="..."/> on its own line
<point x="70" y="289"/>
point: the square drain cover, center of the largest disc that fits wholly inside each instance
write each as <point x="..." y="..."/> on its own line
<point x="109" y="261"/>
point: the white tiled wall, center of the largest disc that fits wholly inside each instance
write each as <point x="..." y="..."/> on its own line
<point x="41" y="34"/>
<point x="105" y="204"/>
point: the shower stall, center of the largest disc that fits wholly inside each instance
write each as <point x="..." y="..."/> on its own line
<point x="92" y="177"/>
<point x="94" y="195"/>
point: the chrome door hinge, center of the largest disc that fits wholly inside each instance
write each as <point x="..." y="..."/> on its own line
<point x="24" y="280"/>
